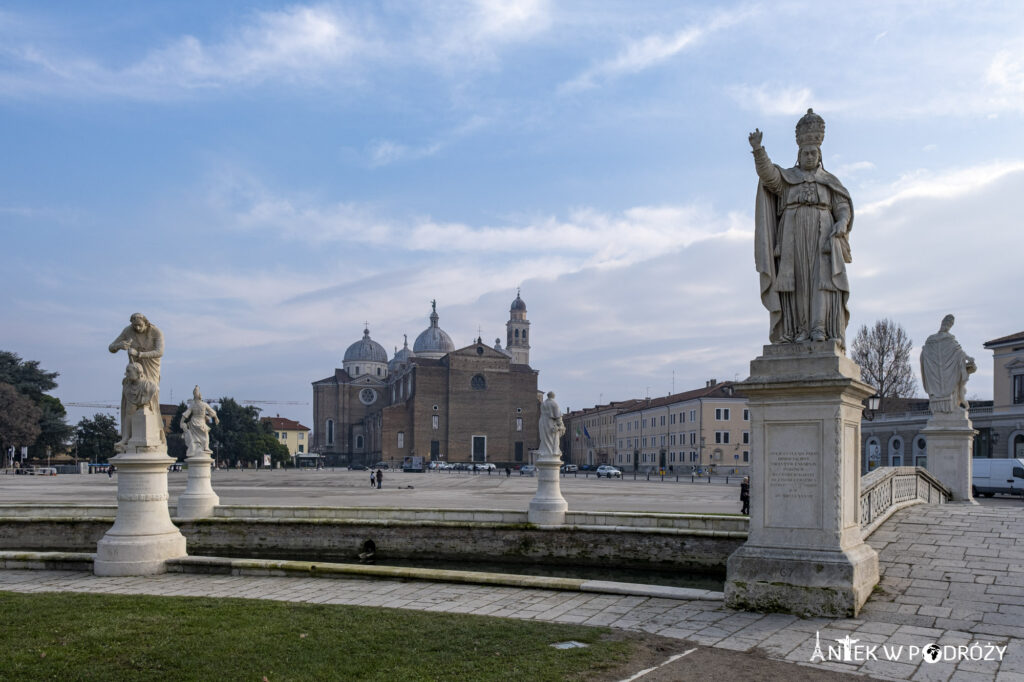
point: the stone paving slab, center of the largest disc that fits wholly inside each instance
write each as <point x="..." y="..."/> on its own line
<point x="900" y="620"/>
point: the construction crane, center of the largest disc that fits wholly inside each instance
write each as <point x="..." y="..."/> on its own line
<point x="104" y="405"/>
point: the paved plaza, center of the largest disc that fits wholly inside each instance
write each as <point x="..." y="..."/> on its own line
<point x="952" y="575"/>
<point x="432" y="490"/>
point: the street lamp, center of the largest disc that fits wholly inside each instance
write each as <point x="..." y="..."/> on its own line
<point x="873" y="403"/>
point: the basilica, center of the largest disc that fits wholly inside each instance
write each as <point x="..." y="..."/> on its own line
<point x="474" y="404"/>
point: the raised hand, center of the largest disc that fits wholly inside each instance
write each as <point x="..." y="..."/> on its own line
<point x="755" y="139"/>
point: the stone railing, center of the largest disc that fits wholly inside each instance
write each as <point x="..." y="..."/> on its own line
<point x="889" y="489"/>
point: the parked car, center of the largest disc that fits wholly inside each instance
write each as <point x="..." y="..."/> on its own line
<point x="587" y="467"/>
<point x="608" y="471"/>
<point x="381" y="465"/>
<point x="528" y="470"/>
<point x="570" y="469"/>
<point x="991" y="476"/>
<point x="357" y="467"/>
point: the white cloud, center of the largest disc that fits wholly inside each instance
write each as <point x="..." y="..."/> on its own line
<point x="776" y="100"/>
<point x="650" y="51"/>
<point x="854" y="168"/>
<point x="948" y="185"/>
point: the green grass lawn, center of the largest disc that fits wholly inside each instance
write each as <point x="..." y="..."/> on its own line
<point x="67" y="636"/>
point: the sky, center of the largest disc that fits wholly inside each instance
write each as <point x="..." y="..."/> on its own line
<point x="261" y="179"/>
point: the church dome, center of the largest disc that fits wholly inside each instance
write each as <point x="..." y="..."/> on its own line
<point x="366" y="350"/>
<point x="518" y="305"/>
<point x="433" y="342"/>
<point x="402" y="357"/>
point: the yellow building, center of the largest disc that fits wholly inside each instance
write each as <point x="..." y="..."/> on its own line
<point x="700" y="430"/>
<point x="290" y="433"/>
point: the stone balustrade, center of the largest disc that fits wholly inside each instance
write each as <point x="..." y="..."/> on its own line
<point x="889" y="489"/>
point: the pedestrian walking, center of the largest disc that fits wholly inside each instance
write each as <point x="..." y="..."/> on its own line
<point x="380" y="477"/>
<point x="373" y="481"/>
<point x="745" y="495"/>
<point x="110" y="471"/>
<point x="508" y="472"/>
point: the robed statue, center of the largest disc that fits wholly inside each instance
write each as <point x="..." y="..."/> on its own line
<point x="144" y="344"/>
<point x="803" y="217"/>
<point x="551" y="427"/>
<point x="945" y="368"/>
<point x="194" y="425"/>
<point x="137" y="393"/>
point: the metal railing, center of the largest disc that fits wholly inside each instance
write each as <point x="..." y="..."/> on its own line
<point x="889" y="489"/>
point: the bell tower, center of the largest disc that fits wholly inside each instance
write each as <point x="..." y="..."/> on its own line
<point x="518" y="327"/>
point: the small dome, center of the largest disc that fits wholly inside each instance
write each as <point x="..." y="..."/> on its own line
<point x="433" y="341"/>
<point x="366" y="350"/>
<point x="402" y="357"/>
<point x="518" y="304"/>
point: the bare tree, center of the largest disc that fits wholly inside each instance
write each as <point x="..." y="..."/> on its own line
<point x="883" y="353"/>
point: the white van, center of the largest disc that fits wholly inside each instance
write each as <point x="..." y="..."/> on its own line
<point x="993" y="476"/>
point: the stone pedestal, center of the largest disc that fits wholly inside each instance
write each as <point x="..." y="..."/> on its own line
<point x="950" y="440"/>
<point x="142" y="537"/>
<point x="198" y="500"/>
<point x="805" y="553"/>
<point x="548" y="507"/>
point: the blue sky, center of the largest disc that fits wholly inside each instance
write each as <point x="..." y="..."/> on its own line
<point x="262" y="178"/>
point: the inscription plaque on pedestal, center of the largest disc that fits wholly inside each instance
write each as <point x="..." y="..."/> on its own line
<point x="792" y="483"/>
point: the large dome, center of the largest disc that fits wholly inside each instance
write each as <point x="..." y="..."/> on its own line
<point x="518" y="305"/>
<point x="366" y="350"/>
<point x="433" y="342"/>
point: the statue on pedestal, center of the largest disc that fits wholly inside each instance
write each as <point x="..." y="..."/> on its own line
<point x="197" y="431"/>
<point x="803" y="217"/>
<point x="551" y="427"/>
<point x="144" y="343"/>
<point x="945" y="368"/>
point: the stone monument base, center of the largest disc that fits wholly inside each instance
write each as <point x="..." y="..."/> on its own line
<point x="802" y="582"/>
<point x="198" y="501"/>
<point x="805" y="553"/>
<point x="548" y="507"/>
<point x="950" y="449"/>
<point x="143" y="536"/>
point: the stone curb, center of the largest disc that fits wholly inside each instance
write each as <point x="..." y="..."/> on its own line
<point x="270" y="567"/>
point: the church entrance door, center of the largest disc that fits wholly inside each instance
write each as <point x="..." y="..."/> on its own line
<point x="479" y="448"/>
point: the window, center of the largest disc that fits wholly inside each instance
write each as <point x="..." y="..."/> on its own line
<point x="672" y="441"/>
<point x="1018" y="389"/>
<point x="746" y="415"/>
<point x="519" y="423"/>
<point x="671" y="419"/>
<point x="746" y="455"/>
<point x="357" y="370"/>
<point x="519" y="410"/>
<point x="682" y="417"/>
<point x="276" y="434"/>
<point x="435" y="422"/>
<point x="478" y="383"/>
<point x="746" y="437"/>
<point x="693" y="415"/>
<point x="693" y="437"/>
<point x="330" y="432"/>
<point x="645" y="441"/>
<point x="721" y="436"/>
<point x="359" y="442"/>
<point x="378" y="371"/>
<point x="284" y="435"/>
<point x="401" y="439"/>
<point x="301" y="436"/>
<point x="301" y="449"/>
<point x="662" y="420"/>
<point x="722" y="414"/>
<point x="663" y="440"/>
<point x="620" y="427"/>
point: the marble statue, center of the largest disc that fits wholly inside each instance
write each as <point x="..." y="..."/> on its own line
<point x="196" y="430"/>
<point x="144" y="343"/>
<point x="945" y="368"/>
<point x="137" y="393"/>
<point x="803" y="217"/>
<point x="551" y="427"/>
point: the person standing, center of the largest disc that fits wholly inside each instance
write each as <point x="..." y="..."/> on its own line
<point x="745" y="496"/>
<point x="380" y="478"/>
<point x="373" y="480"/>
